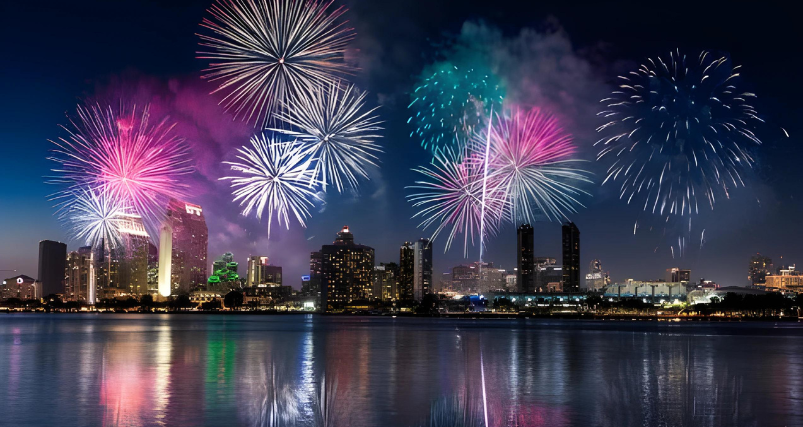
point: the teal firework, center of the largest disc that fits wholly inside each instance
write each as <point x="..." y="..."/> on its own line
<point x="451" y="102"/>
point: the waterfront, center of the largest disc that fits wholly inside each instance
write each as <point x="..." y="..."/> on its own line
<point x="141" y="370"/>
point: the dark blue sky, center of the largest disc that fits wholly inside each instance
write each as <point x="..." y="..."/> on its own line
<point x="57" y="54"/>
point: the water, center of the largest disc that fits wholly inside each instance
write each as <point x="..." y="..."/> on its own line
<point x="174" y="370"/>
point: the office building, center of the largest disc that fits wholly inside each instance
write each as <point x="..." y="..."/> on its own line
<point x="788" y="279"/>
<point x="347" y="270"/>
<point x="596" y="278"/>
<point x="760" y="267"/>
<point x="422" y="268"/>
<point x="262" y="274"/>
<point x="571" y="257"/>
<point x="132" y="256"/>
<point x="406" y="272"/>
<point x="525" y="261"/>
<point x="386" y="276"/>
<point x="183" y="243"/>
<point x="52" y="260"/>
<point x="677" y="275"/>
<point x="315" y="272"/>
<point x="77" y="274"/>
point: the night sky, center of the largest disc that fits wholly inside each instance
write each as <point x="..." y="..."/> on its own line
<point x="55" y="55"/>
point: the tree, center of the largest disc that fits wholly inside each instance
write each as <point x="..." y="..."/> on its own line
<point x="181" y="302"/>
<point x="233" y="300"/>
<point x="211" y="305"/>
<point x="146" y="302"/>
<point x="429" y="305"/>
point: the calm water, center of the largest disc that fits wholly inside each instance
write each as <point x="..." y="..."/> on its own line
<point x="173" y="370"/>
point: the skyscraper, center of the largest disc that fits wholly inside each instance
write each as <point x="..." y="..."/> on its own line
<point x="525" y="260"/>
<point x="315" y="266"/>
<point x="760" y="267"/>
<point x="183" y="244"/>
<point x="386" y="281"/>
<point x="52" y="260"/>
<point x="262" y="273"/>
<point x="132" y="256"/>
<point x="347" y="271"/>
<point x="571" y="257"/>
<point x="422" y="268"/>
<point x="406" y="272"/>
<point x="678" y="275"/>
<point x="77" y="274"/>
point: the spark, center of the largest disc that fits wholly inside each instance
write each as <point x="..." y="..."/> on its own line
<point x="263" y="51"/>
<point x="334" y="128"/>
<point x="94" y="217"/>
<point x="274" y="178"/>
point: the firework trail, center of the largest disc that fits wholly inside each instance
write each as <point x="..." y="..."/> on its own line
<point x="679" y="133"/>
<point x="275" y="176"/>
<point x="119" y="154"/>
<point x="451" y="197"/>
<point x="531" y="160"/>
<point x="337" y="131"/>
<point x="451" y="103"/>
<point x="262" y="51"/>
<point x="94" y="217"/>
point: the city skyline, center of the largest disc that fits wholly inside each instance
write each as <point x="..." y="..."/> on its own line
<point x="150" y="70"/>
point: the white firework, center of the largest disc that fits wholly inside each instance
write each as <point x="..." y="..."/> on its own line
<point x="263" y="50"/>
<point x="276" y="178"/>
<point x="336" y="130"/>
<point x="94" y="217"/>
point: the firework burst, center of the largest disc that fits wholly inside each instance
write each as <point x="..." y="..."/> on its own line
<point x="452" y="102"/>
<point x="118" y="154"/>
<point x="261" y="51"/>
<point x="337" y="131"/>
<point x="679" y="133"/>
<point x="94" y="218"/>
<point x="531" y="161"/>
<point x="275" y="178"/>
<point x="451" y="197"/>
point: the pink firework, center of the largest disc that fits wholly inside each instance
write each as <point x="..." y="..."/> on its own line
<point x="452" y="197"/>
<point x="118" y="153"/>
<point x="531" y="161"/>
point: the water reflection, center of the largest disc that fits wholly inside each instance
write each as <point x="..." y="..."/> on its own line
<point x="308" y="370"/>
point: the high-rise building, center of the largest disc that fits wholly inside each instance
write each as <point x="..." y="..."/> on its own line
<point x="52" y="260"/>
<point x="262" y="274"/>
<point x="386" y="276"/>
<point x="571" y="257"/>
<point x="676" y="275"/>
<point x="347" y="271"/>
<point x="406" y="272"/>
<point x="227" y="257"/>
<point x="422" y="268"/>
<point x="132" y="256"/>
<point x="596" y="279"/>
<point x="760" y="267"/>
<point x="77" y="274"/>
<point x="525" y="261"/>
<point x="315" y="272"/>
<point x="183" y="244"/>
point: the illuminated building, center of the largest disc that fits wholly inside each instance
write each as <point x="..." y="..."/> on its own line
<point x="183" y="243"/>
<point x="406" y="272"/>
<point x="678" y="275"/>
<point x="647" y="289"/>
<point x="386" y="277"/>
<point x="261" y="273"/>
<point x="571" y="257"/>
<point x="347" y="271"/>
<point x="22" y="287"/>
<point x="77" y="274"/>
<point x="132" y="256"/>
<point x="760" y="267"/>
<point x="315" y="266"/>
<point x="547" y="275"/>
<point x="422" y="268"/>
<point x="596" y="279"/>
<point x="788" y="279"/>
<point x="52" y="259"/>
<point x="525" y="261"/>
<point x="478" y="278"/>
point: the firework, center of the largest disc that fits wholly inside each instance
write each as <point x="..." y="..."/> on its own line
<point x="451" y="197"/>
<point x="337" y="131"/>
<point x="263" y="50"/>
<point x="451" y="103"/>
<point x="94" y="217"/>
<point x="679" y="133"/>
<point x="118" y="154"/>
<point x="531" y="160"/>
<point x="275" y="176"/>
